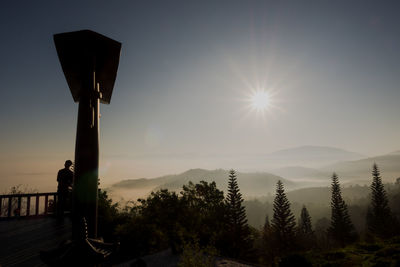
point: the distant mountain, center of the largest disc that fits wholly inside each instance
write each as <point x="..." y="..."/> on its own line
<point x="298" y="173"/>
<point x="360" y="170"/>
<point x="144" y="182"/>
<point x="251" y="184"/>
<point x="256" y="184"/>
<point x="350" y="172"/>
<point x="310" y="156"/>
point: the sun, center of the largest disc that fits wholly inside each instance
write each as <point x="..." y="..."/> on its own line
<point x="260" y="100"/>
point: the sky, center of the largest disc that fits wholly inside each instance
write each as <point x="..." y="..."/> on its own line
<point x="187" y="70"/>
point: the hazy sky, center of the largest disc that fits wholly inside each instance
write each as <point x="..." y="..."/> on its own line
<point x="185" y="71"/>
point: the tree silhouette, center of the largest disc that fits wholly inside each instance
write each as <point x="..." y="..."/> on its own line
<point x="341" y="229"/>
<point x="267" y="226"/>
<point x="267" y="248"/>
<point x="283" y="222"/>
<point x="305" y="233"/>
<point x="305" y="226"/>
<point x="379" y="217"/>
<point x="239" y="232"/>
<point x="164" y="213"/>
<point x="205" y="212"/>
<point x="108" y="216"/>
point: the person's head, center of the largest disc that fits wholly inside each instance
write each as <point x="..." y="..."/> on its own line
<point x="67" y="164"/>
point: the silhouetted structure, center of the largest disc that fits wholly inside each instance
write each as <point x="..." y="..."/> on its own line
<point x="64" y="179"/>
<point x="90" y="62"/>
<point x="28" y="204"/>
<point x="86" y="251"/>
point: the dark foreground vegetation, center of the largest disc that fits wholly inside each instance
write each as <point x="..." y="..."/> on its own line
<point x="200" y="223"/>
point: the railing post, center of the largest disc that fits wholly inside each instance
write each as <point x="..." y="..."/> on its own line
<point x="46" y="203"/>
<point x="55" y="204"/>
<point x="9" y="206"/>
<point x="37" y="204"/>
<point x="12" y="205"/>
<point x="28" y="205"/>
<point x="18" y="207"/>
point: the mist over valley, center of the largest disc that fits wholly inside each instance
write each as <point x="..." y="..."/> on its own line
<point x="351" y="167"/>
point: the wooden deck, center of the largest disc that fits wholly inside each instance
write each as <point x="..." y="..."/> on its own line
<point x="21" y="240"/>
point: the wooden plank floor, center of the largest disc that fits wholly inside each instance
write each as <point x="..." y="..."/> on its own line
<point x="21" y="240"/>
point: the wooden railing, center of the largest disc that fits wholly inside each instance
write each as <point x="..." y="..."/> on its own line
<point x="21" y="205"/>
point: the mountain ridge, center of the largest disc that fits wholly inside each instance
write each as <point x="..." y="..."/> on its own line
<point x="250" y="183"/>
<point x="255" y="184"/>
<point x="309" y="156"/>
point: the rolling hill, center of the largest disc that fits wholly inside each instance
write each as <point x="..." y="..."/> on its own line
<point x="257" y="184"/>
<point x="298" y="173"/>
<point x="350" y="172"/>
<point x="309" y="156"/>
<point x="359" y="171"/>
<point x="251" y="184"/>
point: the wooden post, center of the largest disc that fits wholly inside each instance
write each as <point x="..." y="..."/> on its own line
<point x="19" y="206"/>
<point x="89" y="61"/>
<point x="46" y="203"/>
<point x="55" y="204"/>
<point x="28" y="206"/>
<point x="86" y="173"/>
<point x="37" y="205"/>
<point x="9" y="206"/>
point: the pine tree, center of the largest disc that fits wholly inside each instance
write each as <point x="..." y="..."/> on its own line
<point x="341" y="229"/>
<point x="267" y="233"/>
<point x="267" y="249"/>
<point x="267" y="225"/>
<point x="305" y="234"/>
<point x="283" y="222"/>
<point x="304" y="225"/>
<point x="379" y="217"/>
<point x="239" y="231"/>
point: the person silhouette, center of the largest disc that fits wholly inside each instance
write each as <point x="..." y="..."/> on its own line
<point x="64" y="179"/>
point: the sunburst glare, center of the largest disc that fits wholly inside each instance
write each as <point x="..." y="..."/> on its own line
<point x="260" y="100"/>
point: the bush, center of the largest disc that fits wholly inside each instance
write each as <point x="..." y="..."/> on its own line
<point x="195" y="256"/>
